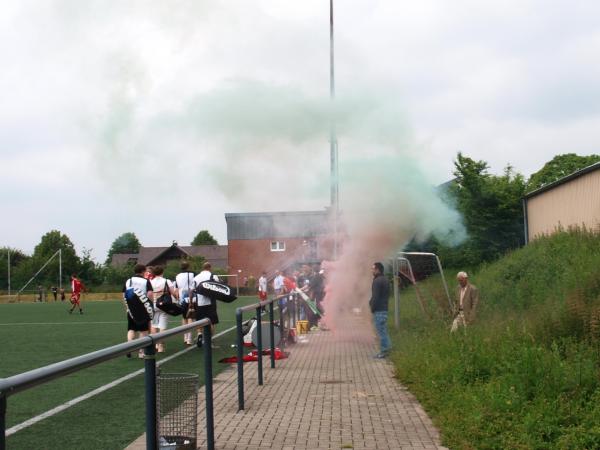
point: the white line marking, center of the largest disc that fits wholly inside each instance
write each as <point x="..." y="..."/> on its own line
<point x="99" y="390"/>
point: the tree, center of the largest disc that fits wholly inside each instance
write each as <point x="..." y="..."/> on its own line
<point x="126" y="243"/>
<point x="16" y="257"/>
<point x="49" y="244"/>
<point x="492" y="214"/>
<point x="204" y="238"/>
<point x="558" y="167"/>
<point x="491" y="207"/>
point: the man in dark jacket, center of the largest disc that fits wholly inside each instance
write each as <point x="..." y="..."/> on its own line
<point x="380" y="293"/>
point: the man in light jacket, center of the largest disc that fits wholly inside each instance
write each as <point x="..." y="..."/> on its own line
<point x="465" y="305"/>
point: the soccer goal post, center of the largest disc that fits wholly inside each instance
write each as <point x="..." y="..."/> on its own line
<point x="57" y="253"/>
<point x="414" y="268"/>
<point x="237" y="281"/>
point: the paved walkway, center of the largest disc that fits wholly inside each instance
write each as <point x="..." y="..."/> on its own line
<point x="329" y="394"/>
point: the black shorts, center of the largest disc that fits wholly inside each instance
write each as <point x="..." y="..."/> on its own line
<point x="208" y="311"/>
<point x="134" y="326"/>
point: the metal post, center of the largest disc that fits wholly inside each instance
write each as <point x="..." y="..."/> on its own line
<point x="272" y="330"/>
<point x="259" y="345"/>
<point x="208" y="387"/>
<point x="8" y="250"/>
<point x="333" y="151"/>
<point x="150" y="381"/>
<point x="396" y="269"/>
<point x="60" y="268"/>
<point x="443" y="280"/>
<point x="2" y="422"/>
<point x="240" y="359"/>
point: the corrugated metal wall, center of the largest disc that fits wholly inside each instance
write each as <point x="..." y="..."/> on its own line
<point x="276" y="225"/>
<point x="576" y="202"/>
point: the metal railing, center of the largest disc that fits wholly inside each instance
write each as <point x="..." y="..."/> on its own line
<point x="32" y="378"/>
<point x="240" y="343"/>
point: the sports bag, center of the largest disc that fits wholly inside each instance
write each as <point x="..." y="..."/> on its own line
<point x="216" y="291"/>
<point x="139" y="307"/>
<point x="165" y="302"/>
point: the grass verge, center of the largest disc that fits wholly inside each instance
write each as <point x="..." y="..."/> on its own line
<point x="526" y="375"/>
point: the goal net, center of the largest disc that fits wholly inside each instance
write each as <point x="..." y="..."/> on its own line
<point x="424" y="272"/>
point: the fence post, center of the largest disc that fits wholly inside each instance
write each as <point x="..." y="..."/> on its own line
<point x="150" y="381"/>
<point x="2" y="421"/>
<point x="272" y="330"/>
<point x="208" y="387"/>
<point x="259" y="345"/>
<point x="240" y="359"/>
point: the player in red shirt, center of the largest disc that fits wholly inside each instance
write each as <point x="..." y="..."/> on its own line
<point x="77" y="288"/>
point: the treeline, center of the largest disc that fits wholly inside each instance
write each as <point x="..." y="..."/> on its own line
<point x="491" y="207"/>
<point x="96" y="276"/>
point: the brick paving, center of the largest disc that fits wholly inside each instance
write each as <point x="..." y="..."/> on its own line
<point x="329" y="394"/>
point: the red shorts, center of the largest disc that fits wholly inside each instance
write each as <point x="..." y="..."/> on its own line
<point x="75" y="298"/>
<point x="262" y="295"/>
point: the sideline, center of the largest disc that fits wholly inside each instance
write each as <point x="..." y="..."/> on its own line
<point x="99" y="390"/>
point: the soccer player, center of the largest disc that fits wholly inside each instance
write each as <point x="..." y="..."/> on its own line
<point x="77" y="288"/>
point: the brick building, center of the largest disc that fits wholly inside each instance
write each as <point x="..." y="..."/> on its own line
<point x="277" y="240"/>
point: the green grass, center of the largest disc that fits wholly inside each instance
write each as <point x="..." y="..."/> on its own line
<point x="526" y="375"/>
<point x="35" y="335"/>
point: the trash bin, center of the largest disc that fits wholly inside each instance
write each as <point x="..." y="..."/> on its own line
<point x="177" y="398"/>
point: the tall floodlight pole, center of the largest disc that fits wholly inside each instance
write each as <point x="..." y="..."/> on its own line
<point x="333" y="150"/>
<point x="8" y="253"/>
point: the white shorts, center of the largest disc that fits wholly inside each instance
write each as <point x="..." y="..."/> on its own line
<point x="160" y="320"/>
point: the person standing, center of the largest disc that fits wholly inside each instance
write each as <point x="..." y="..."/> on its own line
<point x="262" y="287"/>
<point x="278" y="286"/>
<point x="62" y="294"/>
<point x="207" y="307"/>
<point x="54" y="291"/>
<point x="138" y="281"/>
<point x="183" y="283"/>
<point x="380" y="293"/>
<point x="77" y="288"/>
<point x="160" y="286"/>
<point x="465" y="304"/>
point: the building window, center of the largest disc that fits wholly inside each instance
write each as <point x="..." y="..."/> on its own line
<point x="277" y="246"/>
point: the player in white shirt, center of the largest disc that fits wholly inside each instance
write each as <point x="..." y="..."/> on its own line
<point x="160" y="286"/>
<point x="184" y="283"/>
<point x="207" y="307"/>
<point x="138" y="281"/>
<point x="262" y="287"/>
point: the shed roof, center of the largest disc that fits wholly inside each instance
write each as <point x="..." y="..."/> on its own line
<point x="564" y="180"/>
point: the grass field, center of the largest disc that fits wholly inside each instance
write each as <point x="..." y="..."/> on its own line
<point x="37" y="334"/>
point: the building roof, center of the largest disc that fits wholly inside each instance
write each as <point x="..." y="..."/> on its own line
<point x="564" y="180"/>
<point x="216" y="254"/>
<point x="118" y="259"/>
<point x="269" y="225"/>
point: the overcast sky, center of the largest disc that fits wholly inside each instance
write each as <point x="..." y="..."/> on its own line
<point x="158" y="117"/>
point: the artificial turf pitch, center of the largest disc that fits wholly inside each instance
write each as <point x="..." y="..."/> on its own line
<point x="33" y="335"/>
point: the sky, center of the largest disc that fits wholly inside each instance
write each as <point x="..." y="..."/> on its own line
<point x="158" y="117"/>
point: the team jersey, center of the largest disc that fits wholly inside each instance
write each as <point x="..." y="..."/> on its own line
<point x="184" y="282"/>
<point x="158" y="285"/>
<point x="262" y="284"/>
<point x="76" y="286"/>
<point x="141" y="283"/>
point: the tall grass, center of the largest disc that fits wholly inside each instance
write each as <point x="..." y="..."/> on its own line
<point x="526" y="374"/>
